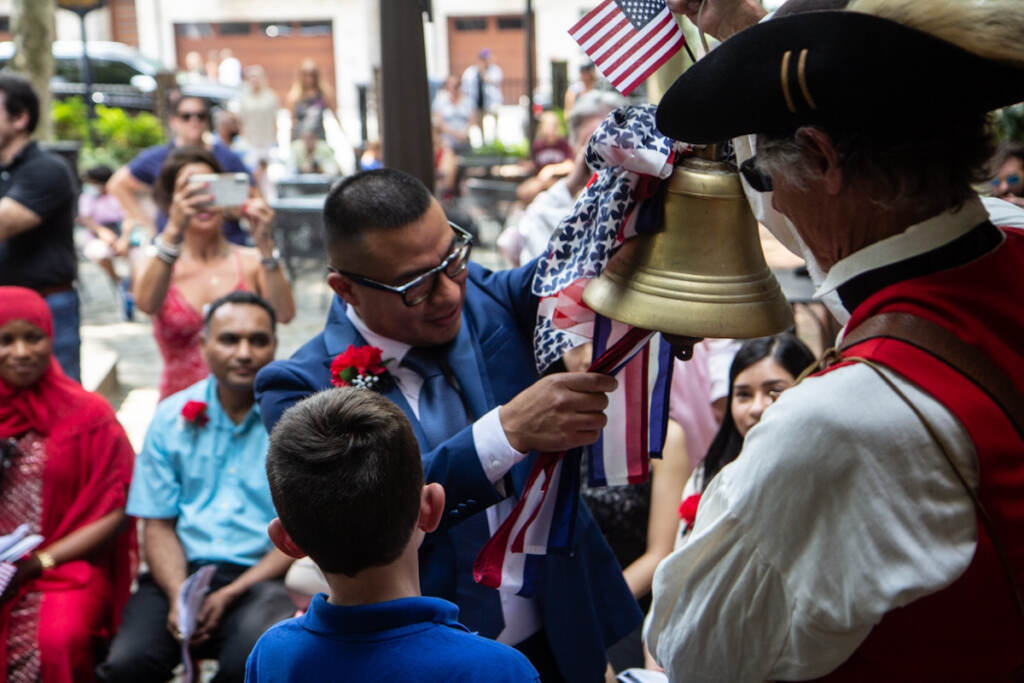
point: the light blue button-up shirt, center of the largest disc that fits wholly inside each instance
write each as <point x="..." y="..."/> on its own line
<point x="212" y="478"/>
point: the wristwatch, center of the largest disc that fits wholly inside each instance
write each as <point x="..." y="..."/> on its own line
<point x="272" y="262"/>
<point x="46" y="560"/>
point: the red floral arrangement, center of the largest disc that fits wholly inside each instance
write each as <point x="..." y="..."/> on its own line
<point x="360" y="366"/>
<point x="688" y="509"/>
<point x="194" y="413"/>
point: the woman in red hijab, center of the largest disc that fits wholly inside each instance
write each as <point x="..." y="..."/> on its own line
<point x="67" y="464"/>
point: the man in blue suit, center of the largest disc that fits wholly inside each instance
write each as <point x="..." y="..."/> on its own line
<point x="457" y="341"/>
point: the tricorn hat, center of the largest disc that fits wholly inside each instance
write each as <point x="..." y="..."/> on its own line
<point x="842" y="68"/>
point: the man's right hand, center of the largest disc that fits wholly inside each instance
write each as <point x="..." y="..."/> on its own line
<point x="720" y="18"/>
<point x="558" y="412"/>
<point x="172" y="621"/>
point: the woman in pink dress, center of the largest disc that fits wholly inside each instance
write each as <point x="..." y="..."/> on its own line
<point x="194" y="264"/>
<point x="65" y="467"/>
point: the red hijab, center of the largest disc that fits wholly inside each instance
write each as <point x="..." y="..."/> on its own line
<point x="88" y="467"/>
<point x="55" y="395"/>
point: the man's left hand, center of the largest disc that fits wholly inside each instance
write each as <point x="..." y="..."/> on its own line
<point x="212" y="612"/>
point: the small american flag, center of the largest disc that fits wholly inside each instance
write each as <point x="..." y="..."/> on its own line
<point x="628" y="39"/>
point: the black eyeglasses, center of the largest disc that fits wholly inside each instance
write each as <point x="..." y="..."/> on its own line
<point x="755" y="177"/>
<point x="417" y="291"/>
<point x="189" y="115"/>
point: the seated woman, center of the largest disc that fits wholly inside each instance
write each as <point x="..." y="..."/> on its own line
<point x="762" y="369"/>
<point x="194" y="264"/>
<point x="67" y="464"/>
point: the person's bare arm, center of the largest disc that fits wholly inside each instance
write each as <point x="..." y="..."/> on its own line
<point x="166" y="560"/>
<point x="273" y="565"/>
<point x="271" y="283"/>
<point x="75" y="546"/>
<point x="16" y="218"/>
<point x="154" y="278"/>
<point x="720" y="18"/>
<point x="126" y="188"/>
<point x="165" y="555"/>
<point x="668" y="477"/>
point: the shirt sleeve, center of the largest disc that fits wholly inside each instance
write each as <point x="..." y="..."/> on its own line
<point x="496" y="454"/>
<point x="146" y="164"/>
<point x="42" y="185"/>
<point x="839" y="509"/>
<point x="155" y="489"/>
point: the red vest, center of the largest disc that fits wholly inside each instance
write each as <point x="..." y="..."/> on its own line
<point x="971" y="630"/>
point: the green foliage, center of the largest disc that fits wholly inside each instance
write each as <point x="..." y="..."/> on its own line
<point x="119" y="136"/>
<point x="1010" y="123"/>
<point x="520" y="150"/>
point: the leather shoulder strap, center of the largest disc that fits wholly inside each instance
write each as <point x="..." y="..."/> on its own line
<point x="953" y="351"/>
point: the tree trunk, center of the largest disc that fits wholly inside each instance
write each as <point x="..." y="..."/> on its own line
<point x="32" y="28"/>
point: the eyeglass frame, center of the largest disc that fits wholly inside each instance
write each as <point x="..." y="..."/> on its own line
<point x="1010" y="179"/>
<point x="434" y="272"/>
<point x="758" y="180"/>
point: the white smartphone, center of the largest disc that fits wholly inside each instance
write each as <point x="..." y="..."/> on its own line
<point x="228" y="189"/>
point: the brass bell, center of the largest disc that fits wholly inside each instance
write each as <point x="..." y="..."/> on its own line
<point x="703" y="274"/>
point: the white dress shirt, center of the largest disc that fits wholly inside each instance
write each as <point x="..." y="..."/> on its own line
<point x="839" y="509"/>
<point x="497" y="457"/>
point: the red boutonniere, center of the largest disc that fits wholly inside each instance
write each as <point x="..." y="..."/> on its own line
<point x="194" y="413"/>
<point x="688" y="509"/>
<point x="360" y="366"/>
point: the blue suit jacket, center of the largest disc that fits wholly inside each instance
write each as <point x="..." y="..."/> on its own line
<point x="584" y="601"/>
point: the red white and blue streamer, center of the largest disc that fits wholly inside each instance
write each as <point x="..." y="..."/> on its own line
<point x="543" y="519"/>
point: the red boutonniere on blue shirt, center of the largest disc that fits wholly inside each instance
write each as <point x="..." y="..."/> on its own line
<point x="688" y="510"/>
<point x="194" y="413"/>
<point x="362" y="367"/>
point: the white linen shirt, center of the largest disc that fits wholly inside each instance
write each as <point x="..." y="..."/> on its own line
<point x="839" y="509"/>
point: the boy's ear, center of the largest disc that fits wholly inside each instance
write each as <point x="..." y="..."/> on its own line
<point x="282" y="540"/>
<point x="431" y="507"/>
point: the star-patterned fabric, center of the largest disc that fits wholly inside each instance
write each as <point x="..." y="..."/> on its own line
<point x="640" y="12"/>
<point x="630" y="158"/>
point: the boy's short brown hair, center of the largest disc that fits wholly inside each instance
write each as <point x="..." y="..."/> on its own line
<point x="346" y="478"/>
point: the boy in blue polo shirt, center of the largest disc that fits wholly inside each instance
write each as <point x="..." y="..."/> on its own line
<point x="347" y="482"/>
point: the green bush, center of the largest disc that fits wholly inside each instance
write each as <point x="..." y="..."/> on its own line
<point x="1010" y="123"/>
<point x="119" y="136"/>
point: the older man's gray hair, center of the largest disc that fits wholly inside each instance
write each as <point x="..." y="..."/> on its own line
<point x="594" y="103"/>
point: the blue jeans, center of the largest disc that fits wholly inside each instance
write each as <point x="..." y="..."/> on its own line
<point x="66" y="339"/>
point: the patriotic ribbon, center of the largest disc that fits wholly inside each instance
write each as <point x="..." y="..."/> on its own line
<point x="543" y="519"/>
<point x="631" y="159"/>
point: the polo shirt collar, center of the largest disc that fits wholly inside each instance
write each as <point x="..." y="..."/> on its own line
<point x="323" y="617"/>
<point x="21" y="155"/>
<point x="219" y="418"/>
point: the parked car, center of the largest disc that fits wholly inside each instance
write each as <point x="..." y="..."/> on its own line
<point x="121" y="75"/>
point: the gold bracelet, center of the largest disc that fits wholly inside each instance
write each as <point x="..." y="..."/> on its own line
<point x="46" y="560"/>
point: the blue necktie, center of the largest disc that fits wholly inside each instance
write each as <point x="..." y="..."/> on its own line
<point x="441" y="407"/>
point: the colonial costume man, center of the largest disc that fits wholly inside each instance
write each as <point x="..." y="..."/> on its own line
<point x="872" y="528"/>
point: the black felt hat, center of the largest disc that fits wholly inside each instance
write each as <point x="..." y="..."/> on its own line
<point x="840" y="68"/>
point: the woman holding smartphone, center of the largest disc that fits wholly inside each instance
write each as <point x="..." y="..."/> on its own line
<point x="193" y="264"/>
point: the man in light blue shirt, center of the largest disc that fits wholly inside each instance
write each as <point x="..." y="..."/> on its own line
<point x="200" y="484"/>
